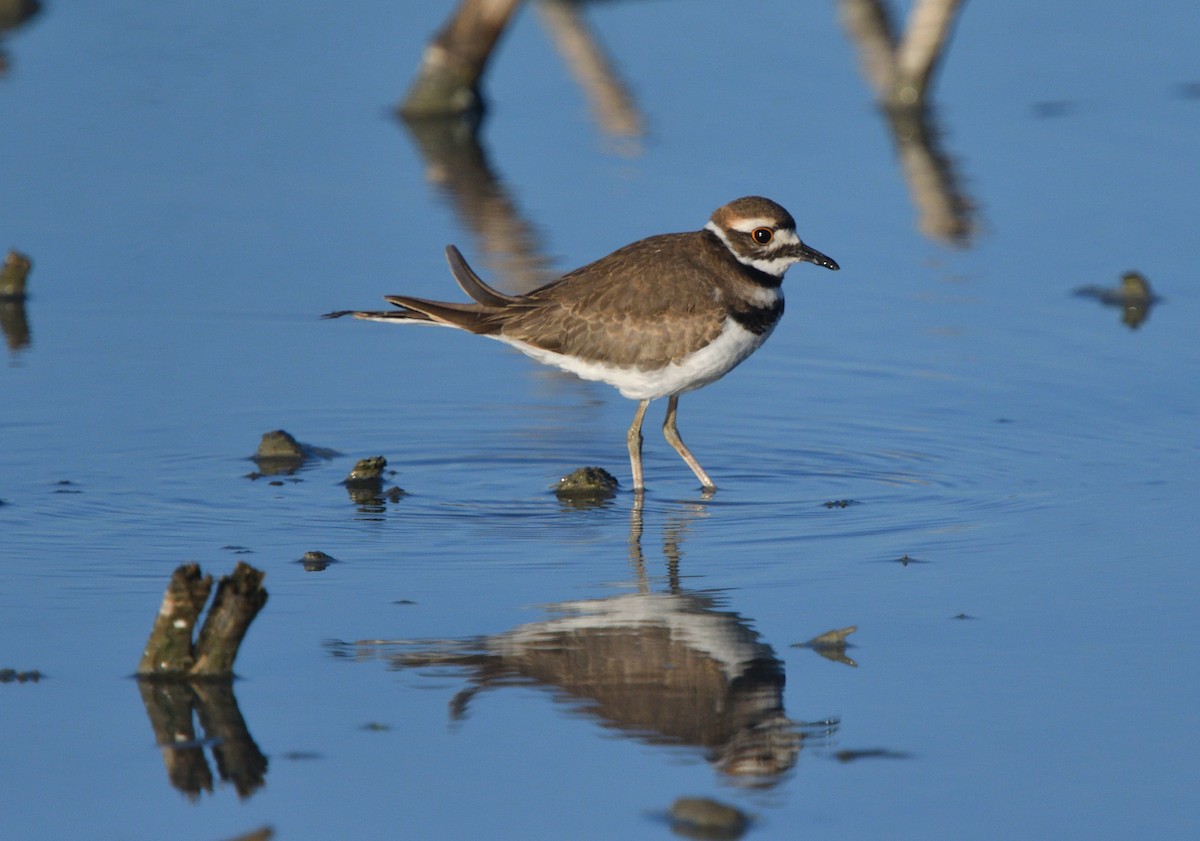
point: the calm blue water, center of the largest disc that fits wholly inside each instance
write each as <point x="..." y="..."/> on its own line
<point x="196" y="186"/>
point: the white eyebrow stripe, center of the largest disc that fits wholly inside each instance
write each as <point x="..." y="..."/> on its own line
<point x="748" y="225"/>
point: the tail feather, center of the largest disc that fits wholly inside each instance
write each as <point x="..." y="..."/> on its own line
<point x="475" y="318"/>
<point x="478" y="317"/>
<point x="384" y="315"/>
<point x="472" y="284"/>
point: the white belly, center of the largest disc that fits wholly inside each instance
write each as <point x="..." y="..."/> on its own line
<point x="706" y="365"/>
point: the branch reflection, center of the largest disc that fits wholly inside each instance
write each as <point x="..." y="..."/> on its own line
<point x="458" y="166"/>
<point x="900" y="67"/>
<point x="171" y="705"/>
<point x="443" y="111"/>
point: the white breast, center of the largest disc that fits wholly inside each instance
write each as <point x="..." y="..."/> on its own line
<point x="706" y="365"/>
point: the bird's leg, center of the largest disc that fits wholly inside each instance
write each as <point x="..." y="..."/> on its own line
<point x="634" y="439"/>
<point x="672" y="436"/>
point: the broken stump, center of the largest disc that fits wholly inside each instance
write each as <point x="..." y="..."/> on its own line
<point x="170" y="651"/>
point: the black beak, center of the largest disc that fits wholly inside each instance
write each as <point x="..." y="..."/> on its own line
<point x="811" y="255"/>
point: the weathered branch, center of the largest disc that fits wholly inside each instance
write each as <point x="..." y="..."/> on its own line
<point x="238" y="600"/>
<point x="448" y="79"/>
<point x="170" y="652"/>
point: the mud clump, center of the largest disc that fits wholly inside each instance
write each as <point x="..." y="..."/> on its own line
<point x="280" y="454"/>
<point x="586" y="485"/>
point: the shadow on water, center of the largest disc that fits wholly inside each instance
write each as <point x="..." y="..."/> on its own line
<point x="664" y="667"/>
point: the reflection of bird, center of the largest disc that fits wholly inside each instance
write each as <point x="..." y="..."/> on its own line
<point x="1133" y="296"/>
<point x="659" y="317"/>
<point x="667" y="668"/>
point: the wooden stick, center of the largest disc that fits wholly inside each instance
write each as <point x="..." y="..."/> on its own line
<point x="169" y="650"/>
<point x="170" y="653"/>
<point x="447" y="82"/>
<point x="238" y="600"/>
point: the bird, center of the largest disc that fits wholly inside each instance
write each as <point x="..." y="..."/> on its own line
<point x="656" y="318"/>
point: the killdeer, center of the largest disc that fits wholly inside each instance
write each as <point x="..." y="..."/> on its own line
<point x="659" y="317"/>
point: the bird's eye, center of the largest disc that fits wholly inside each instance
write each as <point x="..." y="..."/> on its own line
<point x="762" y="235"/>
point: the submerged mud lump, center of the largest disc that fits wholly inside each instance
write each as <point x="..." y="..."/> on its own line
<point x="701" y="817"/>
<point x="367" y="469"/>
<point x="587" y="483"/>
<point x="279" y="453"/>
<point x="365" y="482"/>
<point x="316" y="561"/>
<point x="279" y="444"/>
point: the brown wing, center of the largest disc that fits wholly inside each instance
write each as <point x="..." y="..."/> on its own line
<point x="643" y="303"/>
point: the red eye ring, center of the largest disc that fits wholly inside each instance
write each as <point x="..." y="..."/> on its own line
<point x="762" y="235"/>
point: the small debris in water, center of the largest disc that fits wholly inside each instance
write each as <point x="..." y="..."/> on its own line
<point x="316" y="561"/>
<point x="1133" y="296"/>
<point x="702" y="817"/>
<point x="841" y="503"/>
<point x="873" y="753"/>
<point x="832" y="645"/>
<point x="265" y="833"/>
<point x="1053" y="108"/>
<point x="586" y="485"/>
<point x="13" y="676"/>
<point x="1188" y="90"/>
